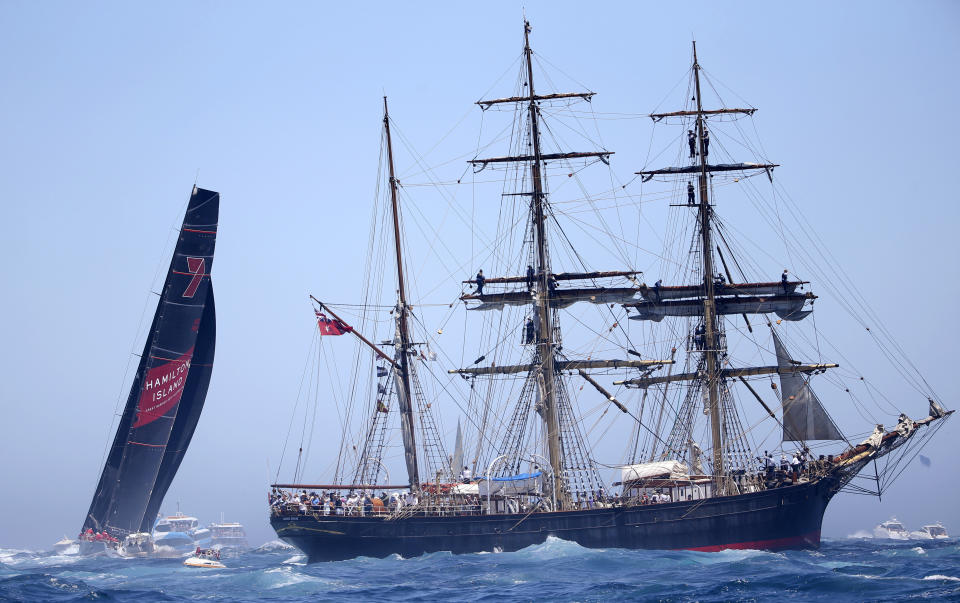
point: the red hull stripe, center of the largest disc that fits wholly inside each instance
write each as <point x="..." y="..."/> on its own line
<point x="813" y="538"/>
<point x="205" y="231"/>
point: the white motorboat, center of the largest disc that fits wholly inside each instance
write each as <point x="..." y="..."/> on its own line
<point x="205" y="558"/>
<point x="933" y="531"/>
<point x="66" y="546"/>
<point x="891" y="529"/>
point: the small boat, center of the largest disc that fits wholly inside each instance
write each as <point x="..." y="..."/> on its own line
<point x="891" y="529"/>
<point x="66" y="546"/>
<point x="205" y="558"/>
<point x="933" y="531"/>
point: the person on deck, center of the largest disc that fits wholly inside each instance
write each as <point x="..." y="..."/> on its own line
<point x="691" y="198"/>
<point x="530" y="277"/>
<point x="706" y="142"/>
<point x="692" y="141"/>
<point x="480" y="280"/>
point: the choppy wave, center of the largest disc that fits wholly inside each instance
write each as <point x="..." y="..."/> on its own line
<point x="842" y="570"/>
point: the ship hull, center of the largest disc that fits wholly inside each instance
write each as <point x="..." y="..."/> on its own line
<point x="782" y="518"/>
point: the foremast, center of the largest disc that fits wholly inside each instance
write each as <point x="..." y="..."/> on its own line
<point x="404" y="344"/>
<point x="716" y="296"/>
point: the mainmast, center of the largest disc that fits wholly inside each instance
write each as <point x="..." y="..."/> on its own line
<point x="709" y="315"/>
<point x="547" y="375"/>
<point x="404" y="396"/>
<point x="573" y="471"/>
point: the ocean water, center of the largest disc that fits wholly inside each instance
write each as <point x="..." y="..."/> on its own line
<point x="842" y="570"/>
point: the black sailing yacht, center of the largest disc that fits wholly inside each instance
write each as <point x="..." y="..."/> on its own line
<point x="694" y="484"/>
<point x="167" y="394"/>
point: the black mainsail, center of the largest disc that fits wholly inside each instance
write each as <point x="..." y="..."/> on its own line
<point x="170" y="385"/>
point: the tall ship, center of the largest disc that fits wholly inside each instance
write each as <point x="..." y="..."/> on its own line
<point x="712" y="461"/>
<point x="166" y="396"/>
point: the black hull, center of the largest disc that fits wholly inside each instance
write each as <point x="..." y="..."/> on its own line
<point x="783" y="518"/>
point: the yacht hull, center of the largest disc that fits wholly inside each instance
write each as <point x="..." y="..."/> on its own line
<point x="782" y="518"/>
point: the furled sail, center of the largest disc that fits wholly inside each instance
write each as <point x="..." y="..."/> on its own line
<point x="803" y="416"/>
<point x="170" y="384"/>
<point x="787" y="307"/>
<point x="684" y="291"/>
<point x="559" y="298"/>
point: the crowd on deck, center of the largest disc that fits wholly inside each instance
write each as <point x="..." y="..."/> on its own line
<point x="791" y="470"/>
<point x="801" y="465"/>
<point x="331" y="503"/>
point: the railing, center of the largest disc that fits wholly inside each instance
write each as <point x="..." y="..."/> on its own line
<point x="638" y="493"/>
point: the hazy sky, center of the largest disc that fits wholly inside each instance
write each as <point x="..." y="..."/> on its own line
<point x="108" y="110"/>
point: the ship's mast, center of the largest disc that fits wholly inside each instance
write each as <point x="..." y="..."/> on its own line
<point x="405" y="398"/>
<point x="545" y="339"/>
<point x="709" y="314"/>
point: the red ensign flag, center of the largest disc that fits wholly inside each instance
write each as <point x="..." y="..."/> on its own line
<point x="329" y="326"/>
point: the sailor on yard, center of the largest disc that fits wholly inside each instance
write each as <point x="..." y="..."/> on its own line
<point x="691" y="198"/>
<point x="706" y="142"/>
<point x="530" y="276"/>
<point x="480" y="280"/>
<point x="692" y="141"/>
<point x="698" y="339"/>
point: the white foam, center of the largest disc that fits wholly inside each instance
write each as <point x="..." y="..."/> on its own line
<point x="919" y="550"/>
<point x="941" y="577"/>
<point x="280" y="577"/>
<point x="273" y="545"/>
<point x="296" y="560"/>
